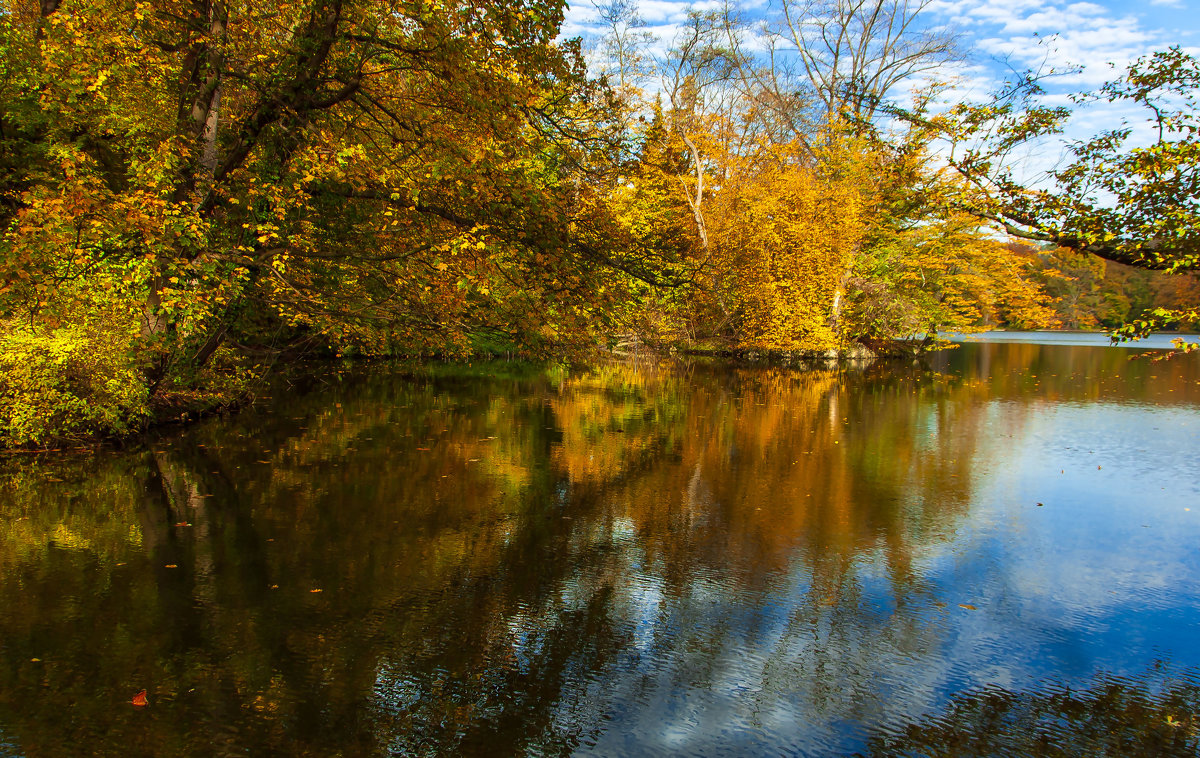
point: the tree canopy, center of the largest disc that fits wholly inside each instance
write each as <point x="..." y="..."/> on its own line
<point x="1129" y="194"/>
<point x="188" y="188"/>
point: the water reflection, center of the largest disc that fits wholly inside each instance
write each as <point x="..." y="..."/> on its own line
<point x="682" y="558"/>
<point x="1150" y="714"/>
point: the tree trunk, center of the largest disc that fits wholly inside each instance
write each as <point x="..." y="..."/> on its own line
<point x="698" y="200"/>
<point x="839" y="295"/>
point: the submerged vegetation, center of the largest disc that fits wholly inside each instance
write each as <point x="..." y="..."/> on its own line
<point x="189" y="187"/>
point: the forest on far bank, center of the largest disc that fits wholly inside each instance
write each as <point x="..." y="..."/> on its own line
<point x="193" y="189"/>
<point x="1087" y="292"/>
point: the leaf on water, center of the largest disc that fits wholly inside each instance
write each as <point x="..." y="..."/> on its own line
<point x="1040" y="505"/>
<point x="171" y="566"/>
<point x="140" y="699"/>
<point x="968" y="606"/>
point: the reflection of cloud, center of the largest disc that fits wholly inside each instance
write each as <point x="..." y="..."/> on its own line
<point x="1135" y="552"/>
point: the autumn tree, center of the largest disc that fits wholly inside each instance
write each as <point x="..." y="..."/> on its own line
<point x="383" y="175"/>
<point x="812" y="228"/>
<point x="1083" y="296"/>
<point x="785" y="235"/>
<point x="624" y="46"/>
<point x="696" y="74"/>
<point x="945" y="274"/>
<point x="651" y="205"/>
<point x="1130" y="194"/>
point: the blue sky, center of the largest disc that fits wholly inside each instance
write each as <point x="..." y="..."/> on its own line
<point x="1100" y="38"/>
<point x="1089" y="34"/>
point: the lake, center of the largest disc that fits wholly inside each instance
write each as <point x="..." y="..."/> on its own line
<point x="993" y="551"/>
<point x="1155" y="341"/>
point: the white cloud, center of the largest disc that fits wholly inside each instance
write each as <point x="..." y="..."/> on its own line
<point x="1025" y="33"/>
<point x="1084" y="43"/>
<point x="663" y="11"/>
<point x="656" y="13"/>
<point x="1057" y="35"/>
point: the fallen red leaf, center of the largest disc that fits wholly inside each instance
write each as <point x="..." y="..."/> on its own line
<point x="140" y="699"/>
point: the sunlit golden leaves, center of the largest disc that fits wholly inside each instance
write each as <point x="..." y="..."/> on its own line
<point x="784" y="238"/>
<point x="383" y="177"/>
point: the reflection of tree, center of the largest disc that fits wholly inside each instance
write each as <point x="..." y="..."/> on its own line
<point x="1056" y="373"/>
<point x="503" y="564"/>
<point x="771" y="482"/>
<point x="533" y="511"/>
<point x="1151" y="715"/>
<point x="760" y="462"/>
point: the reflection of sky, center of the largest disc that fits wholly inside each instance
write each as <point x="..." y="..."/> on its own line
<point x="642" y="645"/>
<point x="1102" y="577"/>
<point x="1110" y="558"/>
<point x="693" y="603"/>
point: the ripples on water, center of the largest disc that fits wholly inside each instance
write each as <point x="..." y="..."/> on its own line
<point x="994" y="553"/>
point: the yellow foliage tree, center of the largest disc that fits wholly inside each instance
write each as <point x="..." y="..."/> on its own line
<point x="784" y="238"/>
<point x="944" y="273"/>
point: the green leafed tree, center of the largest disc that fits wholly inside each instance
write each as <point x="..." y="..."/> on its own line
<point x="1130" y="194"/>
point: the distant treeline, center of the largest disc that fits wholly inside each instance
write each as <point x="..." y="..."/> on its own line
<point x="1087" y="292"/>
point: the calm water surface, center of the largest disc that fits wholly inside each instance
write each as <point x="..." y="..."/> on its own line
<point x="996" y="552"/>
